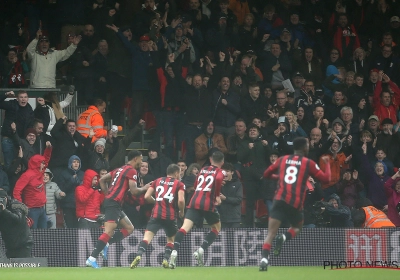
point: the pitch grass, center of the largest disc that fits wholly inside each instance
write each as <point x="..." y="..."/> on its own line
<point x="201" y="273"/>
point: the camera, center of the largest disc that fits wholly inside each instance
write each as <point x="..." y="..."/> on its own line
<point x="3" y="203"/>
<point x="319" y="208"/>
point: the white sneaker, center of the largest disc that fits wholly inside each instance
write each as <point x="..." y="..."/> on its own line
<point x="263" y="264"/>
<point x="198" y="255"/>
<point x="172" y="259"/>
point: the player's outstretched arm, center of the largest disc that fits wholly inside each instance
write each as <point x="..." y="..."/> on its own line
<point x="149" y="195"/>
<point x="103" y="182"/>
<point x="316" y="172"/>
<point x="271" y="170"/>
<point x="138" y="191"/>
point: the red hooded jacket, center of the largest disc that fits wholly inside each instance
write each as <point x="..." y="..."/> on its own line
<point x="30" y="188"/>
<point x="88" y="200"/>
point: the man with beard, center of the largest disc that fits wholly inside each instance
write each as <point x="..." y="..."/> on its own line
<point x="226" y="108"/>
<point x="315" y="144"/>
<point x="26" y="144"/>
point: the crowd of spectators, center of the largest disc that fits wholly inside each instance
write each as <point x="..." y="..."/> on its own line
<point x="242" y="76"/>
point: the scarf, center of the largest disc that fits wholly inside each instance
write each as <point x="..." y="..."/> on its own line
<point x="16" y="77"/>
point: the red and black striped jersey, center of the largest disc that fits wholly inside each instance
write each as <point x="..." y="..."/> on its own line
<point x="120" y="182"/>
<point x="208" y="186"/>
<point x="293" y="172"/>
<point x="166" y="193"/>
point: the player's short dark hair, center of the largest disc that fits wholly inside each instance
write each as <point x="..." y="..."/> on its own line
<point x="228" y="166"/>
<point x="217" y="157"/>
<point x="172" y="169"/>
<point x="134" y="153"/>
<point x="299" y="143"/>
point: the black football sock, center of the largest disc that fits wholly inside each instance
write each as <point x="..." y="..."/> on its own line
<point x="210" y="238"/>
<point x="101" y="243"/>
<point x="142" y="247"/>
<point x="266" y="248"/>
<point x="118" y="236"/>
<point x="168" y="250"/>
<point x="178" y="238"/>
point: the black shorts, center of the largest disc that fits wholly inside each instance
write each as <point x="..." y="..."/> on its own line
<point x="170" y="227"/>
<point x="112" y="211"/>
<point x="212" y="217"/>
<point x="281" y="211"/>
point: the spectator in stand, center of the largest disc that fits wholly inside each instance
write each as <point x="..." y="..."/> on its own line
<point x="367" y="216"/>
<point x="81" y="64"/>
<point x="198" y="108"/>
<point x="349" y="187"/>
<point x="100" y="68"/>
<point x="387" y="63"/>
<point x="17" y="111"/>
<point x="26" y="143"/>
<point x="392" y="190"/>
<point x="30" y="189"/>
<point x="277" y="67"/>
<point x="179" y="43"/>
<point x="240" y="8"/>
<point x="282" y="104"/>
<point x="71" y="17"/>
<point x="97" y="159"/>
<point x="270" y="22"/>
<point x="375" y="178"/>
<point x="231" y="198"/>
<point x="221" y="36"/>
<point x="253" y="105"/>
<point x="309" y="98"/>
<point x="143" y="18"/>
<point x="69" y="179"/>
<point x="234" y="141"/>
<point x="270" y="184"/>
<point x="389" y="140"/>
<point x="310" y="66"/>
<point x="248" y="33"/>
<point x="373" y="125"/>
<point x="282" y="139"/>
<point x="67" y="142"/>
<point x="345" y="37"/>
<point x="53" y="192"/>
<point x="252" y="153"/>
<point x="386" y="104"/>
<point x="334" y="59"/>
<point x="226" y="108"/>
<point x="14" y="70"/>
<point x="335" y="214"/>
<point x="44" y="60"/>
<point x="54" y="108"/>
<point x="360" y="63"/>
<point x="41" y="138"/>
<point x="333" y="108"/>
<point x="88" y="197"/>
<point x="316" y="150"/>
<point x="294" y="126"/>
<point x="158" y="162"/>
<point x="338" y="162"/>
<point x="206" y="141"/>
<point x="92" y="119"/>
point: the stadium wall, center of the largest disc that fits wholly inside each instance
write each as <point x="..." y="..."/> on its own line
<point x="233" y="247"/>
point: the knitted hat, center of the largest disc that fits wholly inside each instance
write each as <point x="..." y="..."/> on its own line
<point x="30" y="130"/>
<point x="387" y="121"/>
<point x="100" y="141"/>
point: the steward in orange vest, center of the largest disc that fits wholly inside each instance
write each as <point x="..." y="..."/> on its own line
<point x="375" y="218"/>
<point x="92" y="118"/>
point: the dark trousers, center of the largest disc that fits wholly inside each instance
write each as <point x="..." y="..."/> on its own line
<point x="70" y="217"/>
<point x="120" y="87"/>
<point x="252" y="186"/>
<point x="191" y="132"/>
<point x="170" y="124"/>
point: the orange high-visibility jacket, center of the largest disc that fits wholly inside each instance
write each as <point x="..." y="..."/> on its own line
<point x="375" y="218"/>
<point x="91" y="118"/>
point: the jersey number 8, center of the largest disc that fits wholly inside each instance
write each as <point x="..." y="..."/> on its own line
<point x="290" y="176"/>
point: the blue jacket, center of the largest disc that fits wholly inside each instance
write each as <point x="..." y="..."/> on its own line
<point x="140" y="64"/>
<point x="68" y="183"/>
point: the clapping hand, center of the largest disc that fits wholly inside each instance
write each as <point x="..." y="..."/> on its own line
<point x="48" y="144"/>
